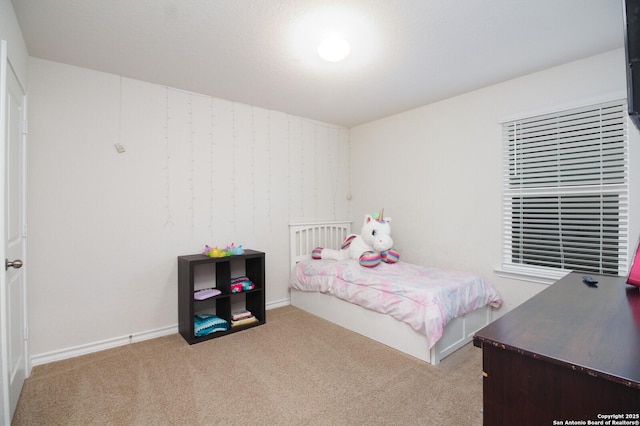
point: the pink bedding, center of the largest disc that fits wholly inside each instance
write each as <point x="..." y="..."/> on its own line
<point x="425" y="298"/>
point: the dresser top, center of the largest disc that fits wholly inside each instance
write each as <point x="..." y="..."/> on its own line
<point x="595" y="330"/>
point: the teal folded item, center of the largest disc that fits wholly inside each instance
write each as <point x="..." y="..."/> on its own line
<point x="206" y="324"/>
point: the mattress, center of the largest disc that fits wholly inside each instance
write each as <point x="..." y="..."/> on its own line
<point x="425" y="298"/>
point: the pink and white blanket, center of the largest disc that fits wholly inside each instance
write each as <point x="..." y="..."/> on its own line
<point x="425" y="298"/>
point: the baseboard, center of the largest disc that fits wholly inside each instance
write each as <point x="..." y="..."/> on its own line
<point x="62" y="354"/>
<point x="278" y="304"/>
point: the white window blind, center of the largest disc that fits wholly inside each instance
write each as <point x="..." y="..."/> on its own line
<point x="565" y="194"/>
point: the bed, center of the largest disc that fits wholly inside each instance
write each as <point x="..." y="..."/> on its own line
<point x="427" y="313"/>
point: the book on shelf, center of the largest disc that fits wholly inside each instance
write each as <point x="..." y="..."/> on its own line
<point x="244" y="321"/>
<point x="241" y="314"/>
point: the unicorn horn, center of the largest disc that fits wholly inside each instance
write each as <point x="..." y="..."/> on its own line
<point x="381" y="218"/>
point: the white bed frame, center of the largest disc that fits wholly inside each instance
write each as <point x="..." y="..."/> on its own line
<point x="304" y="237"/>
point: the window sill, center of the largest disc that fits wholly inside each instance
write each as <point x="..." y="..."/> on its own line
<point x="546" y="276"/>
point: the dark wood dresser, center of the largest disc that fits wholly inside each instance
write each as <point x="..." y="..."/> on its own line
<point x="570" y="353"/>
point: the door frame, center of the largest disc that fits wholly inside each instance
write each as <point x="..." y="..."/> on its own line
<point x="4" y="356"/>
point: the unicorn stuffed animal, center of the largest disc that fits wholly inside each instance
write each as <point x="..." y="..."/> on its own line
<point x="372" y="246"/>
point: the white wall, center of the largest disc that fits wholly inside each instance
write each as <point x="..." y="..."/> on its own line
<point x="437" y="170"/>
<point x="16" y="47"/>
<point x="105" y="227"/>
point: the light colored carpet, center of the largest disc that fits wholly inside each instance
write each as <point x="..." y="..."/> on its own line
<point x="296" y="369"/>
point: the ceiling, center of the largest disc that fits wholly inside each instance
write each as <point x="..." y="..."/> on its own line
<point x="404" y="53"/>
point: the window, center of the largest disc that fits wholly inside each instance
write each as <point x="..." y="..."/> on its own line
<point x="565" y="195"/>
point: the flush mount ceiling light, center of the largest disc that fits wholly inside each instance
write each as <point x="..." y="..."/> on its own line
<point x="333" y="48"/>
<point x="347" y="29"/>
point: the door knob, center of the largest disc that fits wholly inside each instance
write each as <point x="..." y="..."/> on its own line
<point x="17" y="264"/>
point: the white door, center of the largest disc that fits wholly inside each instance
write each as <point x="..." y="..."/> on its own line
<point x="13" y="294"/>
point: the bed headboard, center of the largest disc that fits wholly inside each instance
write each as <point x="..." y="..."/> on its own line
<point x="304" y="237"/>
